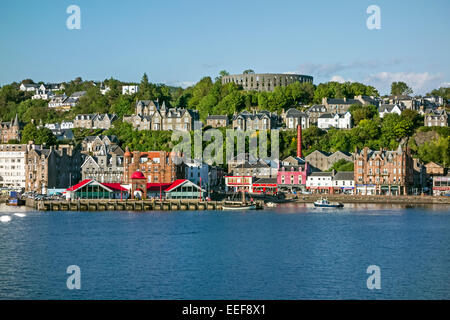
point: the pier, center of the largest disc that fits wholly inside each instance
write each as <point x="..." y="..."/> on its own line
<point x="127" y="205"/>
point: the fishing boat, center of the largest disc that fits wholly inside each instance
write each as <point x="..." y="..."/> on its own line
<point x="324" y="203"/>
<point x="239" y="205"/>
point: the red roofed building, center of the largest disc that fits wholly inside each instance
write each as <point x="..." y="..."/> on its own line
<point x="91" y="189"/>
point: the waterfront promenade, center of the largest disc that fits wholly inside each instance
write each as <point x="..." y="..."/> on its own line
<point x="169" y="205"/>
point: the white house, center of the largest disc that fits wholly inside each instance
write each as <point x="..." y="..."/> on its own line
<point x="66" y="125"/>
<point x="337" y="120"/>
<point x="344" y="181"/>
<point x="53" y="126"/>
<point x="390" y="108"/>
<point x="43" y="95"/>
<point x="29" y="87"/>
<point x="130" y="89"/>
<point x="320" y="182"/>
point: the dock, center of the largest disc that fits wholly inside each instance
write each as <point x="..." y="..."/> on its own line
<point x="126" y="205"/>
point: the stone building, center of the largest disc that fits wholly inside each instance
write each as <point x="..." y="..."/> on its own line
<point x="436" y="118"/>
<point x="434" y="169"/>
<point x="156" y="166"/>
<point x="217" y="121"/>
<point x="10" y="130"/>
<point x="323" y="161"/>
<point x="94" y="121"/>
<point x="52" y="168"/>
<point x="150" y="116"/>
<point x="336" y="105"/>
<point x="265" y="81"/>
<point x="94" y="144"/>
<point x="12" y="166"/>
<point x="292" y="117"/>
<point x="262" y="120"/>
<point x="105" y="167"/>
<point x="314" y="112"/>
<point x="383" y="172"/>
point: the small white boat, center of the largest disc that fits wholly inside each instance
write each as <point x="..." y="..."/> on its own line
<point x="271" y="204"/>
<point x="324" y="203"/>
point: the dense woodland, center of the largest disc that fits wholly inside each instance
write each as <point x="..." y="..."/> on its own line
<point x="209" y="96"/>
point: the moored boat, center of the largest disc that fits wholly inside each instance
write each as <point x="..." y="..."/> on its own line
<point x="324" y="203"/>
<point x="238" y="206"/>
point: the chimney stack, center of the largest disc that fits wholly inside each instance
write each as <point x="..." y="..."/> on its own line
<point x="299" y="140"/>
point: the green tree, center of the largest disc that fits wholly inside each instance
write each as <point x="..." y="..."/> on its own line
<point x="400" y="88"/>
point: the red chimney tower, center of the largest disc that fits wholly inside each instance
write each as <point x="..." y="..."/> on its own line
<point x="299" y="140"/>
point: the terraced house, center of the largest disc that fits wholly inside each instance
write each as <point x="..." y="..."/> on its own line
<point x="150" y="116"/>
<point x="438" y="118"/>
<point x="262" y="120"/>
<point x="94" y="121"/>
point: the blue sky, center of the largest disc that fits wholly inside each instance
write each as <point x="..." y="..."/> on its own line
<point x="179" y="42"/>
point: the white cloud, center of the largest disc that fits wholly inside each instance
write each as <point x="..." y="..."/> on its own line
<point x="183" y="84"/>
<point x="419" y="82"/>
<point x="340" y="79"/>
<point x="445" y="84"/>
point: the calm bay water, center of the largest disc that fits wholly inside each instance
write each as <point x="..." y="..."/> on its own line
<point x="291" y="252"/>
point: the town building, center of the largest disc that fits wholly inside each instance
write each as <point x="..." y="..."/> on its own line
<point x="369" y="100"/>
<point x="10" y="130"/>
<point x="64" y="103"/>
<point x="383" y="172"/>
<point x="344" y="182"/>
<point x="261" y="120"/>
<point x="94" y="121"/>
<point x="434" y="169"/>
<point x="441" y="185"/>
<point x="293" y="117"/>
<point x="217" y="121"/>
<point x="150" y="116"/>
<point x="335" y="105"/>
<point x="12" y="166"/>
<point x="52" y="168"/>
<point x="265" y="186"/>
<point x="265" y="81"/>
<point x="202" y="173"/>
<point x="315" y="112"/>
<point x="156" y="166"/>
<point x="320" y="182"/>
<point x="104" y="166"/>
<point x="29" y="87"/>
<point x="260" y="169"/>
<point x="390" y="108"/>
<point x="292" y="174"/>
<point x="239" y="184"/>
<point x="405" y="101"/>
<point x="323" y="161"/>
<point x="94" y="144"/>
<point x="436" y="118"/>
<point x="337" y="120"/>
<point x="130" y="89"/>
